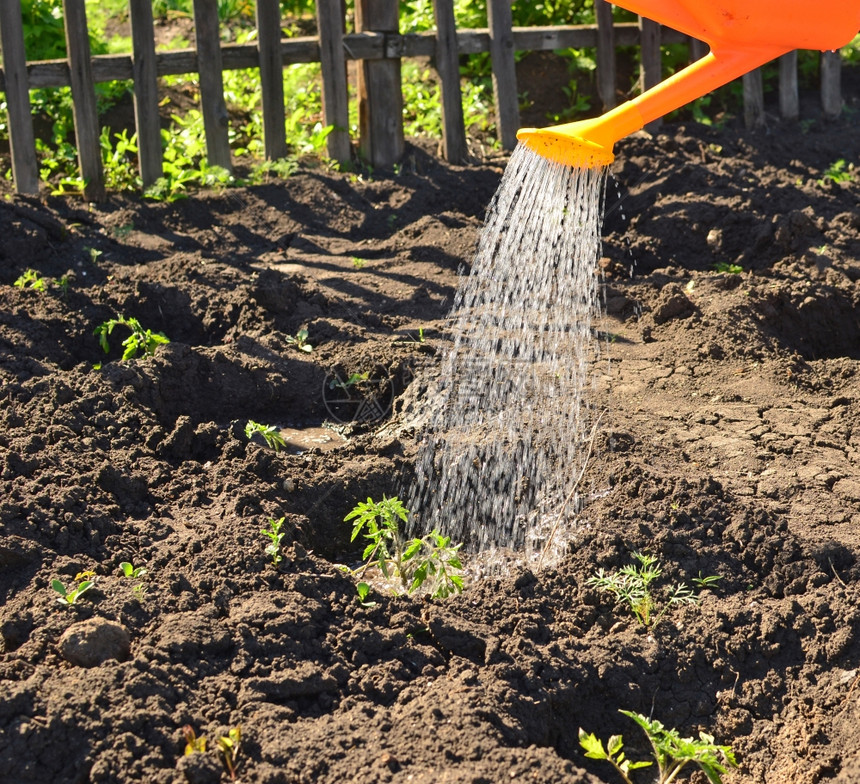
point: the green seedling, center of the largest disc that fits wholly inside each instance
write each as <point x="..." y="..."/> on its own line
<point x="193" y="744"/>
<point x="418" y="342"/>
<point x="358" y="263"/>
<point x="363" y="591"/>
<point x="71" y="596"/>
<point x="353" y="380"/>
<point x="725" y="267"/>
<point x="228" y="745"/>
<point x="31" y="279"/>
<point x="430" y="563"/>
<point x="632" y="586"/>
<point x="273" y="549"/>
<point x="838" y="171"/>
<point x="671" y="752"/>
<point x="300" y="341"/>
<point x="135" y="573"/>
<point x="270" y="434"/>
<point x="139" y="339"/>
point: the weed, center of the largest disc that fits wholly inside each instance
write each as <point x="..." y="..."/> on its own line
<point x="363" y="591"/>
<point x="838" y="171"/>
<point x="726" y="267"/>
<point x="353" y="380"/>
<point x="419" y="342"/>
<point x="300" y="341"/>
<point x="135" y="573"/>
<point x="271" y="435"/>
<point x="670" y="750"/>
<point x="31" y="279"/>
<point x="69" y="597"/>
<point x="631" y="585"/>
<point x="430" y="559"/>
<point x="228" y="745"/>
<point x="358" y="263"/>
<point x="193" y="744"/>
<point x="275" y="534"/>
<point x="140" y="338"/>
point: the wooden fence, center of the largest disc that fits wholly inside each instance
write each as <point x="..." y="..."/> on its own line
<point x="377" y="45"/>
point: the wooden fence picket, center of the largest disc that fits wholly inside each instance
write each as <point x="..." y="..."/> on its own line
<point x="448" y="67"/>
<point x="789" y="97"/>
<point x="651" y="63"/>
<point x="831" y="87"/>
<point x="145" y="92"/>
<point x="380" y="94"/>
<point x="377" y="48"/>
<point x="332" y="57"/>
<point x="271" y="78"/>
<point x="25" y="168"/>
<point x="606" y="68"/>
<point x="504" y="71"/>
<point x="84" y="99"/>
<point x="210" y="68"/>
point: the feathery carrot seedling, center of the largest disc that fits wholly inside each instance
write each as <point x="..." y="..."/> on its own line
<point x="670" y="751"/>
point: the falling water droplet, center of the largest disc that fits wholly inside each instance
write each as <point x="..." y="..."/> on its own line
<point x="500" y="460"/>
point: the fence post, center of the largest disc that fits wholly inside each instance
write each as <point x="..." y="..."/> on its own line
<point x="448" y="68"/>
<point x="605" y="54"/>
<point x="145" y="92"/>
<point x="84" y="99"/>
<point x="333" y="66"/>
<point x="831" y="87"/>
<point x="698" y="49"/>
<point x="652" y="65"/>
<point x="209" y="64"/>
<point x="271" y="78"/>
<point x="500" y="20"/>
<point x="25" y="168"/>
<point x="753" y="99"/>
<point x="380" y="94"/>
<point x="789" y="98"/>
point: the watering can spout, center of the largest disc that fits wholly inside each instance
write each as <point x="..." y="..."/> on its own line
<point x="743" y="35"/>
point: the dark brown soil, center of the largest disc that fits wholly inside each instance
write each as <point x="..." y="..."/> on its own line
<point x="729" y="446"/>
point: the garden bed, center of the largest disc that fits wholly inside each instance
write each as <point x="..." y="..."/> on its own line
<point x="729" y="445"/>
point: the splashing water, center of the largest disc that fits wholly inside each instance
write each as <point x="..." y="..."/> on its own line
<point x="500" y="462"/>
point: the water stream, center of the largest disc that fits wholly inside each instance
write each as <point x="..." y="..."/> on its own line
<point x="499" y="463"/>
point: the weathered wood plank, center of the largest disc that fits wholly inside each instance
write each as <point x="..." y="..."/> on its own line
<point x="332" y="54"/>
<point x="831" y="85"/>
<point x="145" y="91"/>
<point x="698" y="49"/>
<point x="754" y="116"/>
<point x="789" y="96"/>
<point x="271" y="78"/>
<point x="25" y="168"/>
<point x="358" y="46"/>
<point x="210" y="63"/>
<point x="448" y="68"/>
<point x="606" y="68"/>
<point x="504" y="71"/>
<point x="380" y="94"/>
<point x="651" y="72"/>
<point x="84" y="99"/>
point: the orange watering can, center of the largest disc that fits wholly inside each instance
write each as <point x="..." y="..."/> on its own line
<point x="742" y="34"/>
